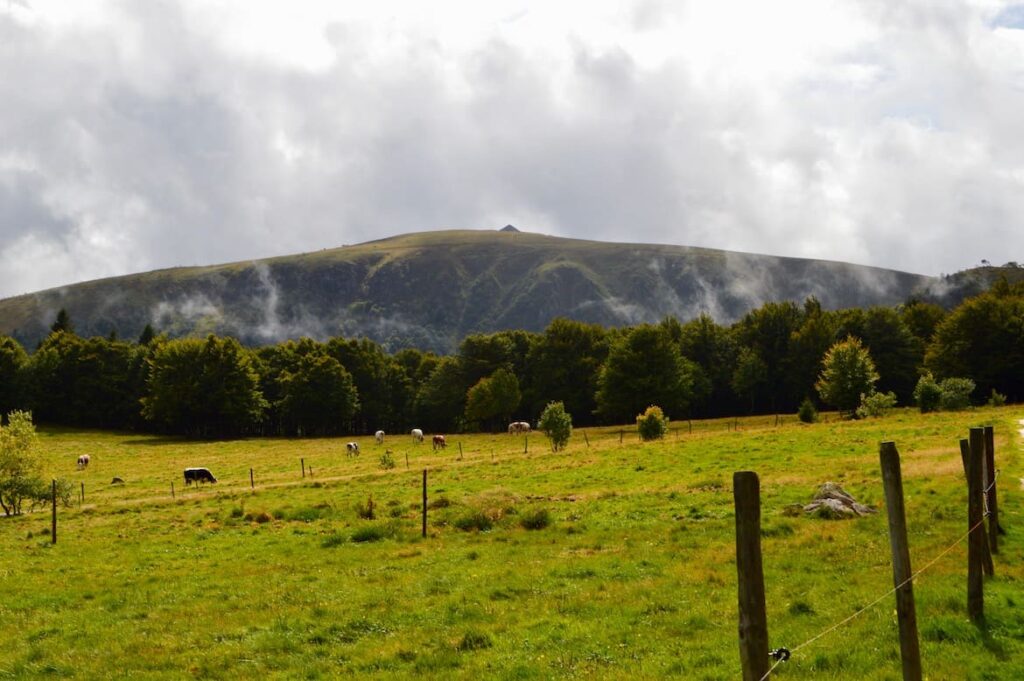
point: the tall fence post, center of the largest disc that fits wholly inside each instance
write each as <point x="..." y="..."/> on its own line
<point x="406" y="460"/>
<point x="906" y="615"/>
<point x="975" y="520"/>
<point x="526" y="444"/>
<point x="586" y="439"/>
<point x="172" y="489"/>
<point x="252" y="482"/>
<point x="753" y="621"/>
<point x="990" y="485"/>
<point x="83" y="495"/>
<point x="302" y="462"/>
<point x="53" y="505"/>
<point x="424" y="502"/>
<point x="460" y="450"/>
<point x="986" y="555"/>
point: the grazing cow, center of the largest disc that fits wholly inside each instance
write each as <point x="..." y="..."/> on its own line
<point x="83" y="461"/>
<point x="518" y="428"/>
<point x="417" y="435"/>
<point x="198" y="475"/>
<point x="379" y="437"/>
<point x="353" y="448"/>
<point x="439" y="442"/>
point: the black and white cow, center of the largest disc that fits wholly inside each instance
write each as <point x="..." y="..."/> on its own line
<point x="198" y="475"/>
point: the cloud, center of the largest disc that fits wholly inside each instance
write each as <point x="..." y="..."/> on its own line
<point x="138" y="136"/>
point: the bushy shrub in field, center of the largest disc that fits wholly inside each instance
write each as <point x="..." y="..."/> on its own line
<point x="535" y="519"/>
<point x="387" y="461"/>
<point x="474" y="520"/>
<point x="927" y="393"/>
<point x="369" y="533"/>
<point x="475" y="640"/>
<point x="807" y="413"/>
<point x="556" y="424"/>
<point x="21" y="471"/>
<point x="876" y="404"/>
<point x="365" y="511"/>
<point x="652" y="424"/>
<point x="996" y="399"/>
<point x="956" y="393"/>
<point x="847" y="373"/>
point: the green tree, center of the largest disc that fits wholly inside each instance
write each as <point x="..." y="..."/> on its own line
<point x="147" y="335"/>
<point x="927" y="393"/>
<point x="712" y="348"/>
<point x="750" y="376"/>
<point x="556" y="423"/>
<point x="807" y="347"/>
<point x="897" y="354"/>
<point x="204" y="388"/>
<point x="13" y="360"/>
<point x="493" y="399"/>
<point x="62" y="322"/>
<point x="385" y="391"/>
<point x="652" y="424"/>
<point x="318" y="396"/>
<point x="768" y="331"/>
<point x="21" y="471"/>
<point x="441" y="399"/>
<point x="563" y="366"/>
<point x="847" y="373"/>
<point x="644" y="366"/>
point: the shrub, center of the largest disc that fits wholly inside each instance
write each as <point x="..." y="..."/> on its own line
<point x="369" y="533"/>
<point x="876" y="404"/>
<point x="807" y="413"/>
<point x="535" y="519"/>
<point x="996" y="399"/>
<point x="474" y="640"/>
<point x="474" y="520"/>
<point x="927" y="394"/>
<point x="556" y="424"/>
<point x="847" y="373"/>
<point x="332" y="540"/>
<point x="387" y="461"/>
<point x="956" y="393"/>
<point x="652" y="424"/>
<point x="365" y="511"/>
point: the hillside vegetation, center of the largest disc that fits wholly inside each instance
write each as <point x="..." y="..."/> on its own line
<point x="429" y="290"/>
<point x="610" y="559"/>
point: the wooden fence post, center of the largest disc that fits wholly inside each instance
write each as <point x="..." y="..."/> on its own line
<point x="460" y="450"/>
<point x="986" y="555"/>
<point x="424" y="502"/>
<point x="990" y="485"/>
<point x="620" y="437"/>
<point x="252" y="483"/>
<point x="526" y="444"/>
<point x="406" y="460"/>
<point x="906" y="615"/>
<point x="172" y="489"/>
<point x="586" y="439"/>
<point x="975" y="521"/>
<point x="303" y="463"/>
<point x="83" y="495"/>
<point x="753" y="621"/>
<point x="53" y="504"/>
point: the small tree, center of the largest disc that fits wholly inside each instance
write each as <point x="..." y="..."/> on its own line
<point x="956" y="393"/>
<point x="927" y="394"/>
<point x="807" y="412"/>
<point x="556" y="424"/>
<point x="848" y="373"/>
<point x="21" y="472"/>
<point x="652" y="424"/>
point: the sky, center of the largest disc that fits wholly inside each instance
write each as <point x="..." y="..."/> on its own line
<point x="143" y="135"/>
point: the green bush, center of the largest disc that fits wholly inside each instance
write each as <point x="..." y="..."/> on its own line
<point x="369" y="533"/>
<point x="807" y="413"/>
<point x="556" y="424"/>
<point x="996" y="399"/>
<point x="876" y="404"/>
<point x="652" y="424"/>
<point x="387" y="461"/>
<point x="332" y="540"/>
<point x="956" y="393"/>
<point x="475" y="640"/>
<point x="365" y="511"/>
<point x="535" y="519"/>
<point x="927" y="394"/>
<point x="474" y="520"/>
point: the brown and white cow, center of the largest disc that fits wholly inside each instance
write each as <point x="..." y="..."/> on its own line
<point x="352" y="448"/>
<point x="439" y="442"/>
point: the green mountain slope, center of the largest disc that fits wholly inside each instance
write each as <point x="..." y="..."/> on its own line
<point x="431" y="289"/>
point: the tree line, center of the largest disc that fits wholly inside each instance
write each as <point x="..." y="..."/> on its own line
<point x="767" y="362"/>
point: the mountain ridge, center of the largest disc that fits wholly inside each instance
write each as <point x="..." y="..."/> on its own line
<point x="430" y="289"/>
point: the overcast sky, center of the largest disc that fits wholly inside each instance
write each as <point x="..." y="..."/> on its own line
<point x="139" y="135"/>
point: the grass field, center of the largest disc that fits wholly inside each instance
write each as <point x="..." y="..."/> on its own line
<point x="608" y="561"/>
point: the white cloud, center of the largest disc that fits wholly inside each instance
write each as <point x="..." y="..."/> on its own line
<point x="136" y="136"/>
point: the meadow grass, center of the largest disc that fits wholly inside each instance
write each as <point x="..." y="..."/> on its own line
<point x="613" y="560"/>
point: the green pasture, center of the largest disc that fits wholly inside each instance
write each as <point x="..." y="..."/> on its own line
<point x="611" y="560"/>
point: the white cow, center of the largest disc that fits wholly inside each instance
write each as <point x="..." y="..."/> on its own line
<point x="83" y="461"/>
<point x="518" y="427"/>
<point x="417" y="435"/>
<point x="379" y="437"/>
<point x="353" y="448"/>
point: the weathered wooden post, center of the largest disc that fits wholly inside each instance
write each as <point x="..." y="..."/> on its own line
<point x="252" y="482"/>
<point x="753" y="621"/>
<point x="460" y="450"/>
<point x="586" y="439"/>
<point x="906" y="615"/>
<point x="302" y="462"/>
<point x="690" y="422"/>
<point x="53" y="505"/>
<point x="990" y="485"/>
<point x="424" y="502"/>
<point x="975" y="521"/>
<point x="526" y="444"/>
<point x="83" y="495"/>
<point x="172" y="489"/>
<point x="407" y="460"/>
<point x="986" y="555"/>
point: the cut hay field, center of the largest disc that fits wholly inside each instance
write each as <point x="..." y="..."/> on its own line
<point x="611" y="561"/>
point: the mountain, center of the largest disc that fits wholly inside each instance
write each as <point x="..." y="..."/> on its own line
<point x="430" y="289"/>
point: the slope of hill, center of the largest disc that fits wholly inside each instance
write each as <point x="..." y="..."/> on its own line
<point x="430" y="289"/>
